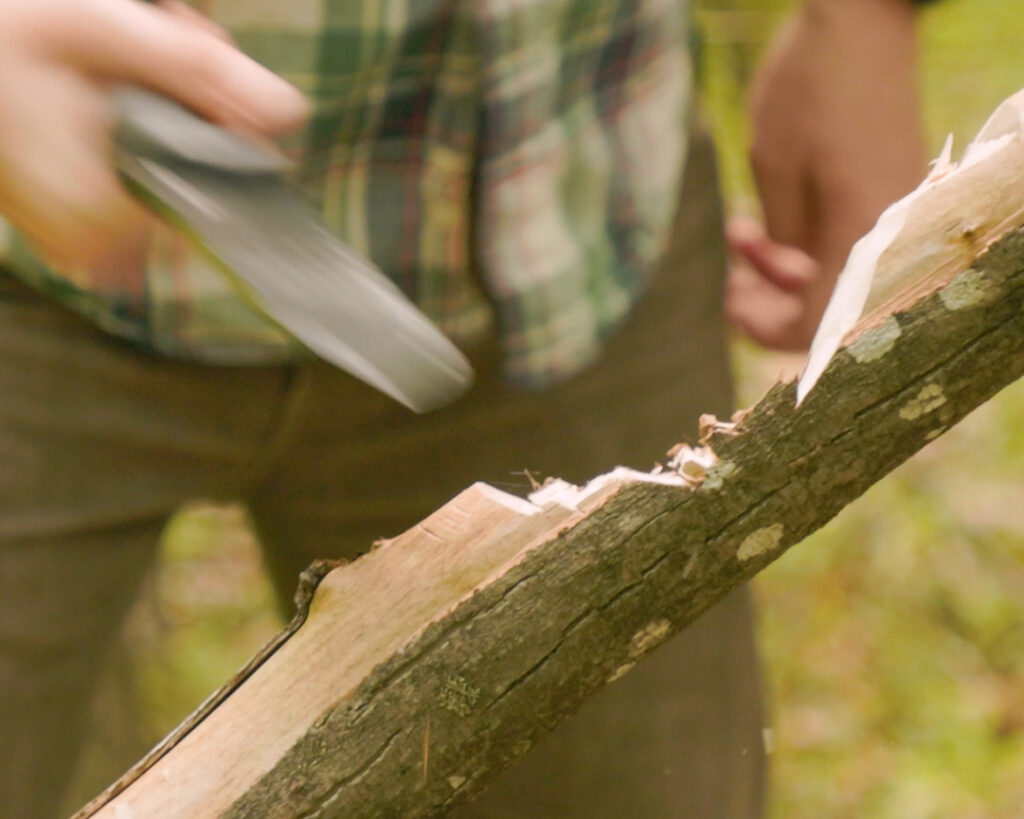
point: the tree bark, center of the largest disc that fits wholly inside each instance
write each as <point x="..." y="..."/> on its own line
<point x="427" y="666"/>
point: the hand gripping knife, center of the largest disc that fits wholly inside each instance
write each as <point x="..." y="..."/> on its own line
<point x="228" y="195"/>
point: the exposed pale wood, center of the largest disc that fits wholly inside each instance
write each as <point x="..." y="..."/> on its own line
<point x="946" y="228"/>
<point x="427" y="666"/>
<point x="934" y="232"/>
<point x="357" y="618"/>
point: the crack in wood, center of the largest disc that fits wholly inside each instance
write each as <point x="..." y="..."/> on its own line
<point x="324" y="803"/>
<point x="530" y="672"/>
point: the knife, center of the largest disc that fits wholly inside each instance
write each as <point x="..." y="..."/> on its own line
<point x="228" y="195"/>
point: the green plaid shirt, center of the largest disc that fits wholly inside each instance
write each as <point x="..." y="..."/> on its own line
<point x="506" y="162"/>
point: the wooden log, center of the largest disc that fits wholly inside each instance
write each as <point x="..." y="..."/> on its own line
<point x="427" y="666"/>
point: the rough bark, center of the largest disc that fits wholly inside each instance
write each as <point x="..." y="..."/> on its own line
<point x="427" y="666"/>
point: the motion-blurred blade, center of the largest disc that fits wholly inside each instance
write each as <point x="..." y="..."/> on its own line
<point x="322" y="292"/>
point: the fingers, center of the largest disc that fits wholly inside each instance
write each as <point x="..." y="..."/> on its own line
<point x="771" y="317"/>
<point x="56" y="186"/>
<point x="785" y="267"/>
<point x="125" y="40"/>
<point x="771" y="290"/>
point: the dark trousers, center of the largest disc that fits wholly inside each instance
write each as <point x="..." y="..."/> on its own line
<point x="100" y="443"/>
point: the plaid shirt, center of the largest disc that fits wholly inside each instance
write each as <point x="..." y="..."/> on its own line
<point x="508" y="162"/>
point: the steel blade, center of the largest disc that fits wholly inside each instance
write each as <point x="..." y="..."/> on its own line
<point x="317" y="288"/>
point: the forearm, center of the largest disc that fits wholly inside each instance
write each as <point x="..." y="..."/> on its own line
<point x="870" y="151"/>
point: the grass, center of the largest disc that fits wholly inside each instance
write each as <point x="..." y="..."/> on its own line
<point x="893" y="640"/>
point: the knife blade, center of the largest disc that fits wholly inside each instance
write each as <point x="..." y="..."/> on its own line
<point x="229" y="196"/>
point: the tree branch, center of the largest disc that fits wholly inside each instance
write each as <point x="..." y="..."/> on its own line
<point x="427" y="666"/>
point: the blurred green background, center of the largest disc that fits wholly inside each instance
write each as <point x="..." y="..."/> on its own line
<point x="893" y="640"/>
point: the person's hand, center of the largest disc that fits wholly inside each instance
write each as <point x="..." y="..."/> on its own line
<point x="770" y="287"/>
<point x="836" y="140"/>
<point x="58" y="61"/>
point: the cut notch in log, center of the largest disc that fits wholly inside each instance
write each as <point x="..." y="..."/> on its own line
<point x="426" y="667"/>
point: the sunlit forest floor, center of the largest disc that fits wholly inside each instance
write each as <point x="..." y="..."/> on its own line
<point x="893" y="640"/>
